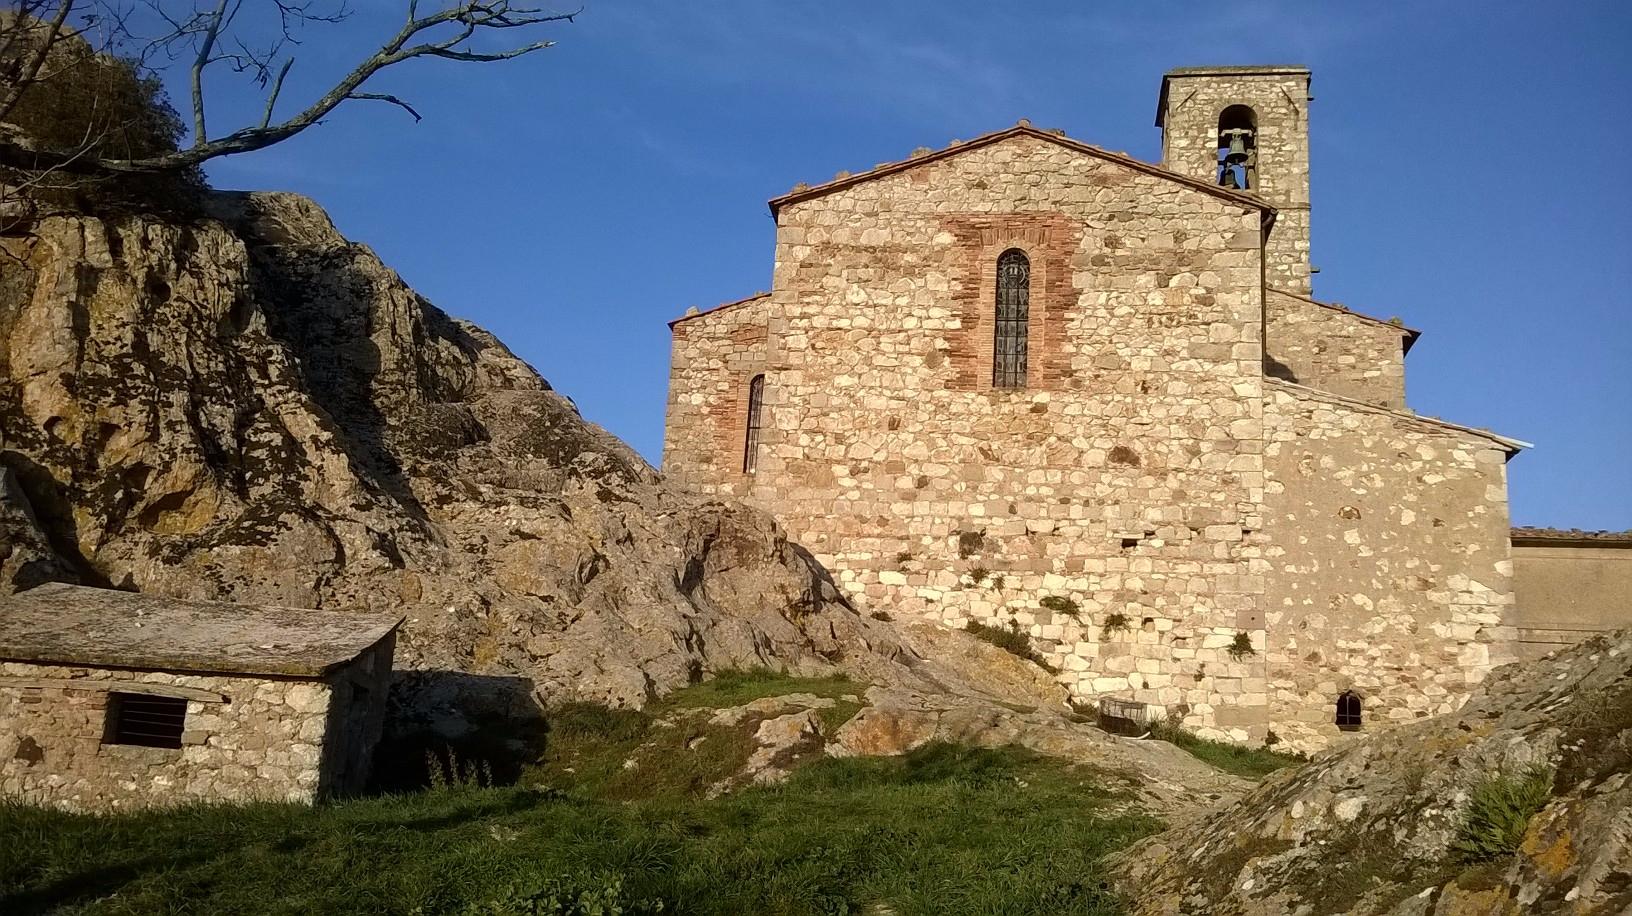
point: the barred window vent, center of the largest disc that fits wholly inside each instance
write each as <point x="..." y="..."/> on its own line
<point x="1013" y="315"/>
<point x="750" y="448"/>
<point x="1348" y="711"/>
<point x="145" y="720"/>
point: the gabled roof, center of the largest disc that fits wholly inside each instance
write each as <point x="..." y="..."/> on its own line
<point x="1509" y="445"/>
<point x="1411" y="334"/>
<point x="1022" y="129"/>
<point x="719" y="308"/>
<point x="75" y="625"/>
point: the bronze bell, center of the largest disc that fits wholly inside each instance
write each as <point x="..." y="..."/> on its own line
<point x="1237" y="154"/>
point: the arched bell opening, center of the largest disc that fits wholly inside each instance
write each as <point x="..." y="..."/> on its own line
<point x="1238" y="148"/>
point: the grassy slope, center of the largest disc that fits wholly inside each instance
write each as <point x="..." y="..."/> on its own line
<point x="1250" y="762"/>
<point x="944" y="830"/>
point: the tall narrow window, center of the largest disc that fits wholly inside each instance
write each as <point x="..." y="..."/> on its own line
<point x="750" y="447"/>
<point x="1013" y="312"/>
<point x="1348" y="711"/>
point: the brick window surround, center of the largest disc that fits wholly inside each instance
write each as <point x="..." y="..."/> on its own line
<point x="1047" y="240"/>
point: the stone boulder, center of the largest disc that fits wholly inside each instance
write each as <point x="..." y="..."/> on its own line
<point x="1371" y="827"/>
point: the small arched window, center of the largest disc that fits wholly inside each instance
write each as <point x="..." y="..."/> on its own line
<point x="1238" y="147"/>
<point x="1013" y="315"/>
<point x="750" y="447"/>
<point x="1348" y="711"/>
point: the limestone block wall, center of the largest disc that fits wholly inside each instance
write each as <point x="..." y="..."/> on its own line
<point x="1327" y="347"/>
<point x="1125" y="477"/>
<point x="1389" y="571"/>
<point x="1191" y="105"/>
<point x="264" y="742"/>
<point x="714" y="357"/>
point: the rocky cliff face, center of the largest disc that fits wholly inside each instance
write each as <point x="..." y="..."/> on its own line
<point x="252" y="408"/>
<point x="1374" y="826"/>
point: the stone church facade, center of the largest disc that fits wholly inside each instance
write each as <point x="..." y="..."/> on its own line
<point x="1026" y="382"/>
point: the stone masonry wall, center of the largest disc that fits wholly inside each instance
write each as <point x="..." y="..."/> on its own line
<point x="266" y="742"/>
<point x="1125" y="478"/>
<point x="1281" y="103"/>
<point x="1327" y="347"/>
<point x="715" y="355"/>
<point x="1389" y="569"/>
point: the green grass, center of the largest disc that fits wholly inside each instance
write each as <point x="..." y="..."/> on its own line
<point x="943" y="830"/>
<point x="1498" y="812"/>
<point x="1251" y="762"/>
<point x="675" y="750"/>
<point x="734" y="688"/>
<point x="1011" y="640"/>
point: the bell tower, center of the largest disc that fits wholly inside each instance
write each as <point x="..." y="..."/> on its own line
<point x="1247" y="128"/>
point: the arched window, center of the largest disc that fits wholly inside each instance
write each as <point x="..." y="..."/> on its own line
<point x="1348" y="711"/>
<point x="1238" y="147"/>
<point x="1013" y="312"/>
<point x="750" y="447"/>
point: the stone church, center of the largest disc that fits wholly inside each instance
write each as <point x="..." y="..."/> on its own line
<point x="1025" y="382"/>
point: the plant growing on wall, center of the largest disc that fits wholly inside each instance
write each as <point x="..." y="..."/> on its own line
<point x="1115" y="623"/>
<point x="1061" y="605"/>
<point x="1241" y="647"/>
<point x="979" y="574"/>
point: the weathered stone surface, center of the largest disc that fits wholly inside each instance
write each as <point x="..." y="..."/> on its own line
<point x="253" y="409"/>
<point x="26" y="557"/>
<point x="1376" y="818"/>
<point x="70" y="624"/>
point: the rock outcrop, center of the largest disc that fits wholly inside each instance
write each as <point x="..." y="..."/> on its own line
<point x="1372" y="827"/>
<point x="252" y="408"/>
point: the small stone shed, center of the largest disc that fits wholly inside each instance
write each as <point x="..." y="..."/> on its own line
<point x="112" y="699"/>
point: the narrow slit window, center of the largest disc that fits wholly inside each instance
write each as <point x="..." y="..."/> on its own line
<point x="750" y="447"/>
<point x="145" y="720"/>
<point x="1348" y="711"/>
<point x="1013" y="315"/>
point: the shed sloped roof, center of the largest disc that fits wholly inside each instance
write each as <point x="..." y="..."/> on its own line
<point x="75" y="625"/>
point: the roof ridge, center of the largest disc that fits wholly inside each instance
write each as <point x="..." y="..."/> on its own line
<point x="1406" y="329"/>
<point x="1023" y="128"/>
<point x="721" y="307"/>
<point x="1513" y="446"/>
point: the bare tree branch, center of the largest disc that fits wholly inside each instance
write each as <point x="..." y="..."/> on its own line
<point x="446" y="34"/>
<point x="382" y="97"/>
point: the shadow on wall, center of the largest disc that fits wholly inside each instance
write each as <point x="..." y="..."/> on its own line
<point x="485" y="728"/>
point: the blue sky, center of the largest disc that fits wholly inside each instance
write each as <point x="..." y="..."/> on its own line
<point x="1470" y="174"/>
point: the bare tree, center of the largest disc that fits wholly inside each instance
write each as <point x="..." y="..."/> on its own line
<point x="205" y="36"/>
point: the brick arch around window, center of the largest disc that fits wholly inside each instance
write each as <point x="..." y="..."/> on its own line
<point x="1048" y="241"/>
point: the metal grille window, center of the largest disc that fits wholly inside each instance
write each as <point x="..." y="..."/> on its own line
<point x="145" y="720"/>
<point x="1348" y="711"/>
<point x="1013" y="312"/>
<point x="750" y="448"/>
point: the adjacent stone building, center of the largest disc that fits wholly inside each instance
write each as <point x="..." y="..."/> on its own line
<point x="115" y="700"/>
<point x="1027" y="382"/>
<point x="1570" y="585"/>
